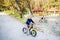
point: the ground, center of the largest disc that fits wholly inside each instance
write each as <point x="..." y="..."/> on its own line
<point x="11" y="29"/>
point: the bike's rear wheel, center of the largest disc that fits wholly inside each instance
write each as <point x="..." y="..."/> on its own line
<point x="24" y="30"/>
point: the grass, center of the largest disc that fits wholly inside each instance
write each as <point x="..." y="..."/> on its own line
<point x="15" y="15"/>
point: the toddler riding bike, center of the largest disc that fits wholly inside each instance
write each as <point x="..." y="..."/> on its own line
<point x="30" y="28"/>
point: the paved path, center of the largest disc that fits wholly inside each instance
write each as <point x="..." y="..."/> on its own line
<point x="11" y="29"/>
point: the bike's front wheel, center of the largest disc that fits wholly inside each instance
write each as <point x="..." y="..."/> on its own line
<point x="33" y="33"/>
<point x="45" y="21"/>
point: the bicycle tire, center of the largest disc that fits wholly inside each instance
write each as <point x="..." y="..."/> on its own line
<point x="33" y="33"/>
<point x="24" y="30"/>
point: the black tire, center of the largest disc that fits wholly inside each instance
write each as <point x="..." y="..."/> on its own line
<point x="24" y="30"/>
<point x="33" y="33"/>
<point x="45" y="21"/>
<point x="40" y="21"/>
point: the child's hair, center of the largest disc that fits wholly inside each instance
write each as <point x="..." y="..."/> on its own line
<point x="30" y="16"/>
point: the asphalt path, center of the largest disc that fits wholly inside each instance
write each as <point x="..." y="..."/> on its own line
<point x="11" y="29"/>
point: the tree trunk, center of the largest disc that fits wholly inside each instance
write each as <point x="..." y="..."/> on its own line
<point x="29" y="6"/>
<point x="18" y="8"/>
<point x="20" y="13"/>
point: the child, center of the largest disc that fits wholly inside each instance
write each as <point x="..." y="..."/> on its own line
<point x="29" y="20"/>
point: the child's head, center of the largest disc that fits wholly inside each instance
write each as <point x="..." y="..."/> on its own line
<point x="30" y="16"/>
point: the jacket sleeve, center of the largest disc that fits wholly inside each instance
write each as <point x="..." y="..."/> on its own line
<point x="32" y="21"/>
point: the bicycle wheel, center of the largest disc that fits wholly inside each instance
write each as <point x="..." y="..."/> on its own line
<point x="24" y="30"/>
<point x="41" y="21"/>
<point x="45" y="21"/>
<point x="33" y="33"/>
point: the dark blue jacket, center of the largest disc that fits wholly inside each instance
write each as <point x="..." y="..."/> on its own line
<point x="29" y="21"/>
